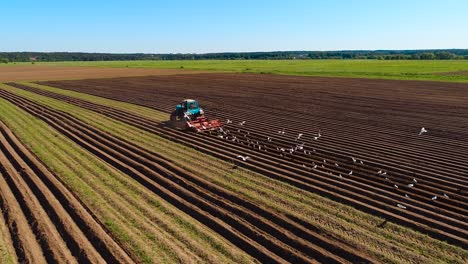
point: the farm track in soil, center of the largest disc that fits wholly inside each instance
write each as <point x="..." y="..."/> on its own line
<point x="265" y="235"/>
<point x="442" y="218"/>
<point x="362" y="192"/>
<point x="48" y="222"/>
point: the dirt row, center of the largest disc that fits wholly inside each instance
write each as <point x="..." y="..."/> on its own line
<point x="363" y="192"/>
<point x="46" y="72"/>
<point x="48" y="223"/>
<point x="395" y="148"/>
<point x="268" y="236"/>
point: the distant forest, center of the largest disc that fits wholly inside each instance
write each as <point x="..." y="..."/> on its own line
<point x="446" y="54"/>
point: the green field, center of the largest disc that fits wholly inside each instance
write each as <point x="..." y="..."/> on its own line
<point x="435" y="70"/>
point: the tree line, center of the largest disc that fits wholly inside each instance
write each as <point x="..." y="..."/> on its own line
<point x="448" y="54"/>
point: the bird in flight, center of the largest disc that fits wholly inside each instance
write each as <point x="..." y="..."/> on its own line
<point x="281" y="132"/>
<point x="423" y="130"/>
<point x="299" y="136"/>
<point x="401" y="206"/>
<point x="242" y="123"/>
<point x="243" y="158"/>
<point x="228" y="121"/>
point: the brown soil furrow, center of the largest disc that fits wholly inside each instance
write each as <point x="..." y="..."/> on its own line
<point x="189" y="205"/>
<point x="257" y="221"/>
<point x="142" y="121"/>
<point x="93" y="234"/>
<point x="430" y="208"/>
<point x="390" y="209"/>
<point x="61" y="234"/>
<point x="306" y="93"/>
<point x="27" y="248"/>
<point x="433" y="168"/>
<point x="52" y="244"/>
<point x="355" y="144"/>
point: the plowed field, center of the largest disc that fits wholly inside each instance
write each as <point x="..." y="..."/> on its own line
<point x="380" y="185"/>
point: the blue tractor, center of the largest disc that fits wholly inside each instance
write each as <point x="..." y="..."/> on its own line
<point x="188" y="115"/>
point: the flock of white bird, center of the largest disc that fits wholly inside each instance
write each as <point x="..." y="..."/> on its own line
<point x="224" y="134"/>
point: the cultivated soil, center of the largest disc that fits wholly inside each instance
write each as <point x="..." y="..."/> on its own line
<point x="44" y="72"/>
<point x="369" y="154"/>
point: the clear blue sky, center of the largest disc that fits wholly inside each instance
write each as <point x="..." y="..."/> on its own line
<point x="238" y="25"/>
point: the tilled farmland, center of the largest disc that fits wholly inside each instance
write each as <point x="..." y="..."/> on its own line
<point x="356" y="142"/>
<point x="49" y="224"/>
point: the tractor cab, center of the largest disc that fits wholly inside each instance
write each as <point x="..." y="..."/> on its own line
<point x="191" y="107"/>
<point x="189" y="115"/>
<point x="188" y="110"/>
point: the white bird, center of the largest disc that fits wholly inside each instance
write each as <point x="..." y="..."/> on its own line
<point x="303" y="165"/>
<point x="350" y="173"/>
<point x="379" y="172"/>
<point x="315" y="166"/>
<point x="242" y="123"/>
<point x="243" y="158"/>
<point x="434" y="198"/>
<point x="220" y="136"/>
<point x="299" y="136"/>
<point x="354" y="160"/>
<point x="340" y="176"/>
<point x="228" y="121"/>
<point x="414" y="179"/>
<point x="401" y="206"/>
<point x="315" y="138"/>
<point x="269" y="139"/>
<point x="362" y="163"/>
<point x="336" y="164"/>
<point x="406" y="195"/>
<point x="281" y="132"/>
<point x="410" y="185"/>
<point x="319" y="135"/>
<point x="282" y="149"/>
<point x="423" y="130"/>
<point x="325" y="161"/>
<point x="384" y="173"/>
<point x="446" y="196"/>
<point x="396" y="186"/>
